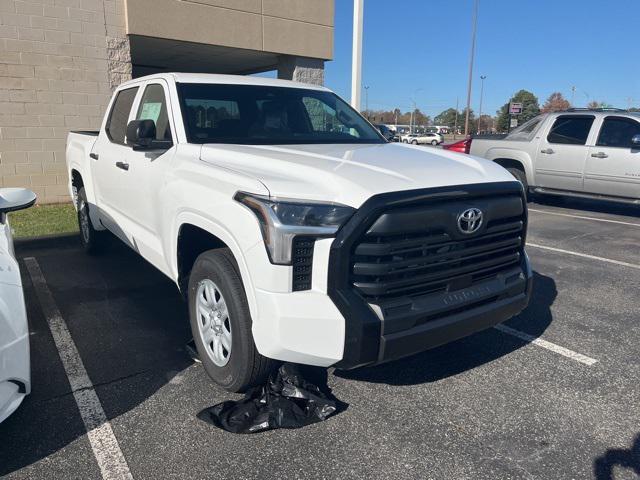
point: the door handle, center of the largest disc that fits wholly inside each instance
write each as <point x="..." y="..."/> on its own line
<point x="599" y="155"/>
<point x="122" y="165"/>
<point x="547" y="151"/>
<point x="93" y="155"/>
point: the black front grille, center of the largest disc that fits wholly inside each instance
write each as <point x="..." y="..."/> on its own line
<point x="302" y="261"/>
<point x="416" y="251"/>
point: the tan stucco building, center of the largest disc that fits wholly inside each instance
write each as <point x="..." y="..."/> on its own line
<point x="60" y="60"/>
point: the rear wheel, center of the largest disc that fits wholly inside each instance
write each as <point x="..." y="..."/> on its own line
<point x="221" y="323"/>
<point x="92" y="240"/>
<point x="519" y="174"/>
<point x="414" y="142"/>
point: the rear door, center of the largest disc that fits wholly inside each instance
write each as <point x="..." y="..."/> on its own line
<point x="613" y="164"/>
<point x="110" y="159"/>
<point x="562" y="153"/>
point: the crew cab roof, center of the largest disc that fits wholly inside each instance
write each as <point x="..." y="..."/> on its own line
<point x="178" y="77"/>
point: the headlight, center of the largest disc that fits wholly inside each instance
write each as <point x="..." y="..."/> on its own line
<point x="282" y="220"/>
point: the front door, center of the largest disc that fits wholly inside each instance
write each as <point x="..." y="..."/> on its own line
<point x="561" y="154"/>
<point x="147" y="169"/>
<point x="613" y="164"/>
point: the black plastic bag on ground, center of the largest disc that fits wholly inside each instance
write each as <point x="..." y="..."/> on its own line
<point x="287" y="400"/>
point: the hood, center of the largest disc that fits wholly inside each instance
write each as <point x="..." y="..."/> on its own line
<point x="350" y="174"/>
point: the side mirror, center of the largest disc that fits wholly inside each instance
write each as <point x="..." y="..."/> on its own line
<point x="141" y="134"/>
<point x="635" y="141"/>
<point x="12" y="199"/>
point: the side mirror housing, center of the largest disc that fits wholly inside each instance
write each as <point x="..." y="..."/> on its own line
<point x="12" y="199"/>
<point x="635" y="141"/>
<point x="141" y="134"/>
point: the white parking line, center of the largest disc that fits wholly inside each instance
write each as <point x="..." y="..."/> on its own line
<point x="565" y="352"/>
<point x="584" y="255"/>
<point x="582" y="217"/>
<point x="104" y="444"/>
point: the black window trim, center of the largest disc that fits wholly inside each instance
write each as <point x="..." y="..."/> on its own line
<point x="115" y="99"/>
<point x="593" y="119"/>
<point x="615" y="117"/>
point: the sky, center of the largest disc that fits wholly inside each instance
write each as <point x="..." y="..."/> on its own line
<point x="419" y="49"/>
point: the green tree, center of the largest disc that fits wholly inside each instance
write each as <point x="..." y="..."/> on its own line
<point x="447" y="117"/>
<point x="530" y="108"/>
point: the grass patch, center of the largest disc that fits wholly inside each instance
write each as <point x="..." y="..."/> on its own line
<point x="44" y="220"/>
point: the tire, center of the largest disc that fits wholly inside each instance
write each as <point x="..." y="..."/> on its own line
<point x="92" y="240"/>
<point x="215" y="287"/>
<point x="404" y="141"/>
<point x="434" y="142"/>
<point x="519" y="174"/>
<point x="414" y="142"/>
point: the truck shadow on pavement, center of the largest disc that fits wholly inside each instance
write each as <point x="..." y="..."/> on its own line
<point x="467" y="353"/>
<point x="629" y="459"/>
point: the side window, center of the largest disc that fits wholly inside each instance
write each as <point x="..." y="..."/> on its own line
<point x="153" y="106"/>
<point x="571" y="130"/>
<point x="617" y="132"/>
<point x="116" y="126"/>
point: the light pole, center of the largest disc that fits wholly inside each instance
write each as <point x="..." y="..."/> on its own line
<point x="471" y="58"/>
<point x="356" y="66"/>
<point x="455" y="125"/>
<point x="366" y="100"/>
<point x="413" y="101"/>
<point x="482" y="77"/>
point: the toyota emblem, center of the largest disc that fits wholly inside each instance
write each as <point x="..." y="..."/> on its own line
<point x="470" y="220"/>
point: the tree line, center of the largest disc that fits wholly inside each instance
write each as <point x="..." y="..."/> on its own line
<point x="498" y="123"/>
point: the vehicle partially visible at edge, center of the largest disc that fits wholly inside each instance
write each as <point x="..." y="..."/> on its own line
<point x="15" y="376"/>
<point x="579" y="153"/>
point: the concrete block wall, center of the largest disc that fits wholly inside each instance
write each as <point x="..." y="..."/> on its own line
<point x="59" y="60"/>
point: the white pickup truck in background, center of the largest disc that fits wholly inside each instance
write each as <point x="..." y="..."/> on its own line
<point x="584" y="153"/>
<point x="293" y="228"/>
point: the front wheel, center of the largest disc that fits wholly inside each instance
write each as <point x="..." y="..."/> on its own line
<point x="415" y="142"/>
<point x="221" y="323"/>
<point x="434" y="142"/>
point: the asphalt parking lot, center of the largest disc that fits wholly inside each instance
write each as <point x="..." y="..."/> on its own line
<point x="554" y="395"/>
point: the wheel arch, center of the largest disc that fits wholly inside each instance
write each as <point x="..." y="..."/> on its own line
<point x="513" y="159"/>
<point x="194" y="235"/>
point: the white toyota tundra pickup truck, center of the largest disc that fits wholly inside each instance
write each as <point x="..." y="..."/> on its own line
<point x="293" y="228"/>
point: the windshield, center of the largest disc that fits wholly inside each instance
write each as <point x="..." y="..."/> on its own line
<point x="527" y="130"/>
<point x="264" y="115"/>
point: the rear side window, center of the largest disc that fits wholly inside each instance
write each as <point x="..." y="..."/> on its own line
<point x="116" y="127"/>
<point x="618" y="132"/>
<point x="571" y="130"/>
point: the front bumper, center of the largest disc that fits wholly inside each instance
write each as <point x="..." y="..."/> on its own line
<point x="383" y="331"/>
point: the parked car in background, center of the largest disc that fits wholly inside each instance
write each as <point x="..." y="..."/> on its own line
<point x="385" y="131"/>
<point x="293" y="229"/>
<point x="423" y="139"/>
<point x="578" y="152"/>
<point x="15" y="376"/>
